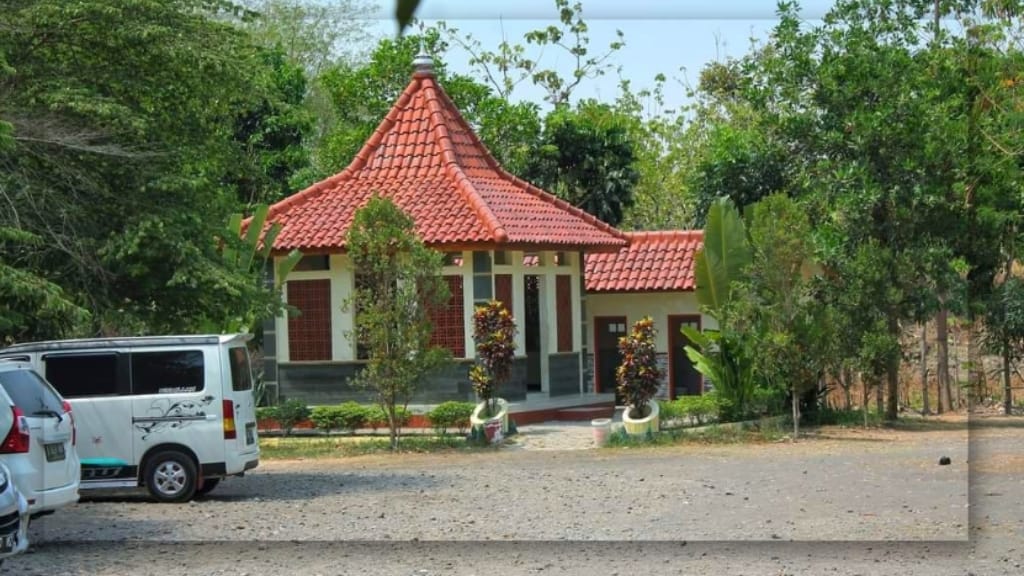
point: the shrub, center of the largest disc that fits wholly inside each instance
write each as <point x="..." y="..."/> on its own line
<point x="324" y="417"/>
<point x="376" y="417"/>
<point x="265" y="412"/>
<point x="451" y="414"/>
<point x="768" y="401"/>
<point x="348" y="416"/>
<point x="669" y="410"/>
<point x="638" y="377"/>
<point x="701" y="408"/>
<point x="287" y="414"/>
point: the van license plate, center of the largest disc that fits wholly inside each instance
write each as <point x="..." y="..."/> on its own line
<point x="54" y="452"/>
<point x="8" y="542"/>
<point x="250" y="433"/>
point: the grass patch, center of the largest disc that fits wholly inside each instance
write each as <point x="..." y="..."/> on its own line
<point x="713" y="434"/>
<point x="843" y="418"/>
<point x="292" y="448"/>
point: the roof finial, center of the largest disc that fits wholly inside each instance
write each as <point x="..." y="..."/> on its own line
<point x="423" y="63"/>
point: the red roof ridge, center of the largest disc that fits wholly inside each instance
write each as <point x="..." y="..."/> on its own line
<point x="664" y="234"/>
<point x="436" y="100"/>
<point x="547" y="197"/>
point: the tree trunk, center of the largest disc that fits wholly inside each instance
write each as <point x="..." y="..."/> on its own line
<point x="879" y="398"/>
<point x="975" y="367"/>
<point x="892" y="376"/>
<point x="864" y="403"/>
<point x="796" y="414"/>
<point x="1007" y="389"/>
<point x="942" y="359"/>
<point x="925" y="409"/>
<point x="847" y="380"/>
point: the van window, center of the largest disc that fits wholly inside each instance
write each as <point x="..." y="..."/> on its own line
<point x="31" y="393"/>
<point x="167" y="372"/>
<point x="241" y="375"/>
<point x="75" y="376"/>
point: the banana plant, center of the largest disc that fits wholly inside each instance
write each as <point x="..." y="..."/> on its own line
<point x="255" y="248"/>
<point x="720" y="360"/>
<point x="246" y="254"/>
<point x="724" y="256"/>
<point x="720" y="262"/>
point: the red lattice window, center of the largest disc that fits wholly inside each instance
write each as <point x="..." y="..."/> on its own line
<point x="503" y="290"/>
<point x="449" y="320"/>
<point x="563" y="300"/>
<point x="309" y="333"/>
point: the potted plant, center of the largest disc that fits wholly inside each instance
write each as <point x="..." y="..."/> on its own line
<point x="494" y="330"/>
<point x="638" y="378"/>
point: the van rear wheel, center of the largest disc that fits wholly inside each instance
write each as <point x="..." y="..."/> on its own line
<point x="171" y="477"/>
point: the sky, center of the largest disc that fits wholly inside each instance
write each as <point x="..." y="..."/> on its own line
<point x="671" y="37"/>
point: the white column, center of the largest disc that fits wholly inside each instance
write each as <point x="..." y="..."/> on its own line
<point x="468" y="306"/>
<point x="577" y="310"/>
<point x="548" y="318"/>
<point x="519" y="300"/>
<point x="342" y="284"/>
<point x="281" y="327"/>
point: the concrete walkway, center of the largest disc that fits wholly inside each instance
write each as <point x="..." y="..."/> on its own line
<point x="558" y="435"/>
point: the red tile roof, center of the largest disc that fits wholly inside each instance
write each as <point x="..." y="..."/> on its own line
<point x="427" y="159"/>
<point x="653" y="261"/>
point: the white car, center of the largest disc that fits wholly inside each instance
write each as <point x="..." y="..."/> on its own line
<point x="13" y="517"/>
<point x="38" y="439"/>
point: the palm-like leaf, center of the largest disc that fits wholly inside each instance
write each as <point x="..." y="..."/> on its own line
<point x="724" y="255"/>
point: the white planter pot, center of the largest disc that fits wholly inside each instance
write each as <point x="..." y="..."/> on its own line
<point x="641" y="426"/>
<point x="476" y="421"/>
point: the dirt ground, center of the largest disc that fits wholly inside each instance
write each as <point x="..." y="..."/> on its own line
<point x="846" y="501"/>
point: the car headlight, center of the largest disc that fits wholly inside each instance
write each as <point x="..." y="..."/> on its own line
<point x="3" y="480"/>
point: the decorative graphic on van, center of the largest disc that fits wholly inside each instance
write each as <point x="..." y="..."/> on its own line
<point x="166" y="414"/>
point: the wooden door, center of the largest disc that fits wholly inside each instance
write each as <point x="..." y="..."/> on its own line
<point x="683" y="377"/>
<point x="607" y="358"/>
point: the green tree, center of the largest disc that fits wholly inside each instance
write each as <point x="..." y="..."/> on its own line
<point x="509" y="65"/>
<point x="852" y="119"/>
<point x="400" y="282"/>
<point x="666" y="148"/>
<point x="587" y="159"/>
<point x="273" y="134"/>
<point x="123" y="159"/>
<point x="791" y="323"/>
<point x="312" y="34"/>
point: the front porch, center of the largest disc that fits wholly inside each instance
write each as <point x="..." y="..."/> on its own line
<point x="538" y="407"/>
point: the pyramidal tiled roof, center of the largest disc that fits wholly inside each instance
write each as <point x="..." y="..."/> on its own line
<point x="427" y="159"/>
<point x="653" y="262"/>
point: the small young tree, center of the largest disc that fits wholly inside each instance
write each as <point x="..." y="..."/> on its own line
<point x="790" y="323"/>
<point x="638" y="376"/>
<point x="494" y="331"/>
<point x="399" y="283"/>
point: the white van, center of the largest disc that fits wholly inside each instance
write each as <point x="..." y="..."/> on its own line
<point x="175" y="414"/>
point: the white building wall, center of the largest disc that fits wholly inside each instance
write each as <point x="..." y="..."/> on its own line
<point x="657" y="305"/>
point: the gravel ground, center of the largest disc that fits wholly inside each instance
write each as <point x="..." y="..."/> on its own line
<point x="821" y="506"/>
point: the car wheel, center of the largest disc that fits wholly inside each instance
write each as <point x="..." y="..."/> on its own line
<point x="171" y="477"/>
<point x="208" y="485"/>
